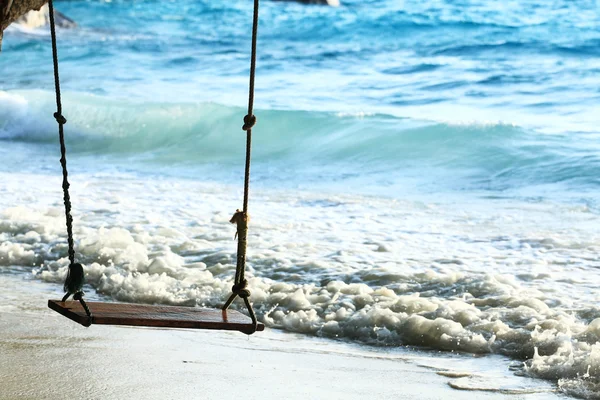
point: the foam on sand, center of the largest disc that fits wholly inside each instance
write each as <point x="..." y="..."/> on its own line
<point x="117" y="362"/>
<point x="446" y="278"/>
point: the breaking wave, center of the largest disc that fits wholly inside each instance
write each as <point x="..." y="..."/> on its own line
<point x="493" y="156"/>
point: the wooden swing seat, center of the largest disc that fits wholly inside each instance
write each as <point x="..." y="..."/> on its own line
<point x="155" y="316"/>
<point x="149" y="315"/>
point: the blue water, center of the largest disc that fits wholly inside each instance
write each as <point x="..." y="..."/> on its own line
<point x="496" y="96"/>
<point x="440" y="158"/>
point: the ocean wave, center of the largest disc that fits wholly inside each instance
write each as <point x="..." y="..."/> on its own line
<point x="479" y="155"/>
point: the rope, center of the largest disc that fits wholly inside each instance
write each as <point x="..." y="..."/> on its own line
<point x="250" y="119"/>
<point x="61" y="120"/>
<point x="240" y="218"/>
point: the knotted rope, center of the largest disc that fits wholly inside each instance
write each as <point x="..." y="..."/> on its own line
<point x="240" y="218"/>
<point x="61" y="120"/>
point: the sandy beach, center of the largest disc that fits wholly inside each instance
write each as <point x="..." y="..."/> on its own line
<point x="424" y="199"/>
<point x="44" y="356"/>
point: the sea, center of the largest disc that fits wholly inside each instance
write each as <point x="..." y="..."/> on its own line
<point x="425" y="174"/>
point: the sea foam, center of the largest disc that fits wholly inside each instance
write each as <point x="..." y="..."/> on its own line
<point x="477" y="280"/>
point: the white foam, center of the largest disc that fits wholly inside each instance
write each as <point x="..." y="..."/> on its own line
<point x="468" y="280"/>
<point x="16" y="254"/>
<point x="20" y="118"/>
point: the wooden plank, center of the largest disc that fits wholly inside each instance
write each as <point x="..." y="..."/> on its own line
<point x="155" y="316"/>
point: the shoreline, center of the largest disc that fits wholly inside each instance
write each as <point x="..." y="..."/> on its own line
<point x="46" y="356"/>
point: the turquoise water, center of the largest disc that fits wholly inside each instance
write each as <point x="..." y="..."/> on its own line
<point x="424" y="173"/>
<point x="498" y="96"/>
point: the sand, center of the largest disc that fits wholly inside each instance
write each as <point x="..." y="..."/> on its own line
<point x="45" y="356"/>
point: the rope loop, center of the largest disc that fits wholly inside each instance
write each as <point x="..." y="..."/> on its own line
<point x="249" y="122"/>
<point x="60" y="118"/>
<point x="241" y="289"/>
<point x="240" y="218"/>
<point x="79" y="297"/>
<point x="77" y="269"/>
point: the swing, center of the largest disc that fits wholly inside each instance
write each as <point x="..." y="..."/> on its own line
<point x="99" y="313"/>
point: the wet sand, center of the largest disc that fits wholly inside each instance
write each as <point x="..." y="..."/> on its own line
<point x="45" y="356"/>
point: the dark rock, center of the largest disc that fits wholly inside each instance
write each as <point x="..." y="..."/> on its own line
<point x="30" y="13"/>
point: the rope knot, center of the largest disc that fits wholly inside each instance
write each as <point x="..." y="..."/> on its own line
<point x="241" y="220"/>
<point x="249" y="122"/>
<point x="60" y="118"/>
<point x="239" y="217"/>
<point x="241" y="289"/>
